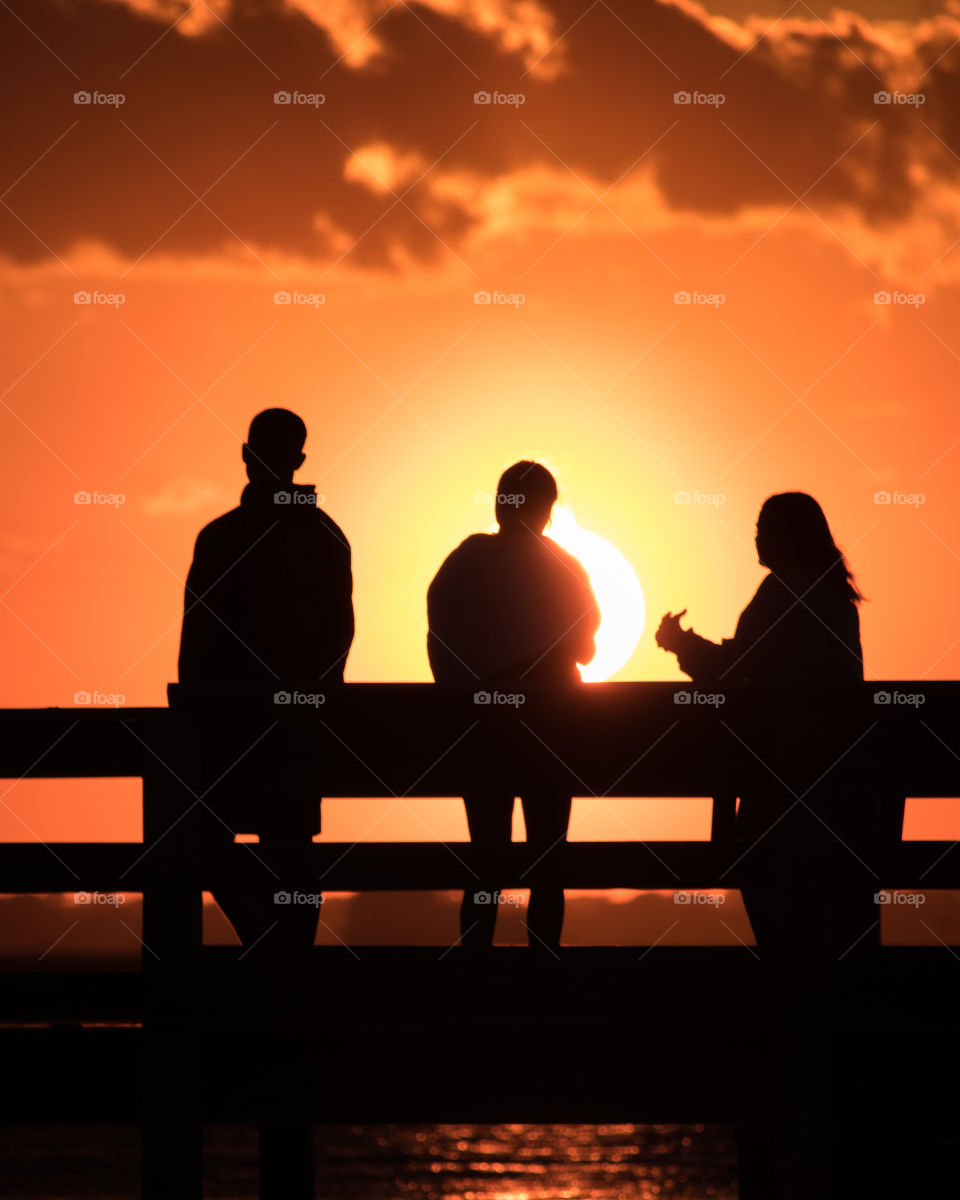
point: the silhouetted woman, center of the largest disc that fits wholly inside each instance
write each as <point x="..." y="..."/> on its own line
<point x="801" y="629"/>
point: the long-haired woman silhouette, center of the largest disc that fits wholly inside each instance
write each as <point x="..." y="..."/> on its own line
<point x="800" y="630"/>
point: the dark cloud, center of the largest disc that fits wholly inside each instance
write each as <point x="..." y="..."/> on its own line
<point x="199" y="114"/>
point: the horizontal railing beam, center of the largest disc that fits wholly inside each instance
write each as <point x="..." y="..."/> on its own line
<point x="80" y="867"/>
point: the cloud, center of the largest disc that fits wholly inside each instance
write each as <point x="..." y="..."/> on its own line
<point x="183" y="496"/>
<point x="393" y="162"/>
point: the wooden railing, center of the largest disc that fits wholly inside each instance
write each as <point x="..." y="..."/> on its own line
<point x="886" y="741"/>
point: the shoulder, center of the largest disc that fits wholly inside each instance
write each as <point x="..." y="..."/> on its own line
<point x="774" y="591"/>
<point x="465" y="558"/>
<point x="475" y="546"/>
<point x="564" y="559"/>
<point x="770" y="601"/>
<point x="327" y="526"/>
<point x="219" y="529"/>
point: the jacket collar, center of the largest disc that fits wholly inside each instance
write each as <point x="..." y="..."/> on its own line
<point x="289" y="497"/>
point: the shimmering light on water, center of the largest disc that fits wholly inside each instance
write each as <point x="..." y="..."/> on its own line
<point x="401" y="1162"/>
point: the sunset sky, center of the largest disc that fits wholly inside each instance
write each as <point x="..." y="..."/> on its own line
<point x="182" y="198"/>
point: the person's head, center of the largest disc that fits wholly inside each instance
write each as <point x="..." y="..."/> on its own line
<point x="526" y="494"/>
<point x="792" y="531"/>
<point x="274" y="446"/>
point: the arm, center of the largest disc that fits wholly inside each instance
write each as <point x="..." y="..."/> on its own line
<point x="441" y="625"/>
<point x="700" y="658"/>
<point x="734" y="658"/>
<point x="696" y="656"/>
<point x="343" y="625"/>
<point x="584" y="633"/>
<point x="199" y="632"/>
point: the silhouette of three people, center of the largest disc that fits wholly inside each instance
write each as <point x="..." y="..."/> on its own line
<point x="509" y="609"/>
<point x="268" y="599"/>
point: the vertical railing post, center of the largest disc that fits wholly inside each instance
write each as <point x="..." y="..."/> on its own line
<point x="723" y="818"/>
<point x="172" y="1130"/>
<point x="286" y="1162"/>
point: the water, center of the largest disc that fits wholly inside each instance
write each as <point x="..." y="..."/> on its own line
<point x="399" y="1162"/>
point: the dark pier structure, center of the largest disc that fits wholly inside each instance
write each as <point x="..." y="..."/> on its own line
<point x="838" y="1071"/>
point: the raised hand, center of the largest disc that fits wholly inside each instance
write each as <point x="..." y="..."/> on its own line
<point x="668" y="635"/>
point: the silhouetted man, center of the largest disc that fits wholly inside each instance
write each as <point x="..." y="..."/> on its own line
<point x="269" y="601"/>
<point x="508" y="609"/>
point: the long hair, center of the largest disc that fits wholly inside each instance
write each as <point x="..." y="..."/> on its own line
<point x="793" y="531"/>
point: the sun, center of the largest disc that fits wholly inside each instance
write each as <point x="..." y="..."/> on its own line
<point x="616" y="587"/>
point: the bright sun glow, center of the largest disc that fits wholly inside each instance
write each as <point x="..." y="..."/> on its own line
<point x="617" y="589"/>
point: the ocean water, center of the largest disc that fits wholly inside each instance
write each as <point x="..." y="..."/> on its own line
<point x="399" y="1162"/>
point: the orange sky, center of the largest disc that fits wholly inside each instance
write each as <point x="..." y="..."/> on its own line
<point x="397" y="199"/>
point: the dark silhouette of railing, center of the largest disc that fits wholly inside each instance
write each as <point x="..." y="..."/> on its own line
<point x="282" y="1039"/>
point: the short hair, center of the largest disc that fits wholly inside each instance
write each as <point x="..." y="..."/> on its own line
<point x="276" y="437"/>
<point x="525" y="488"/>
